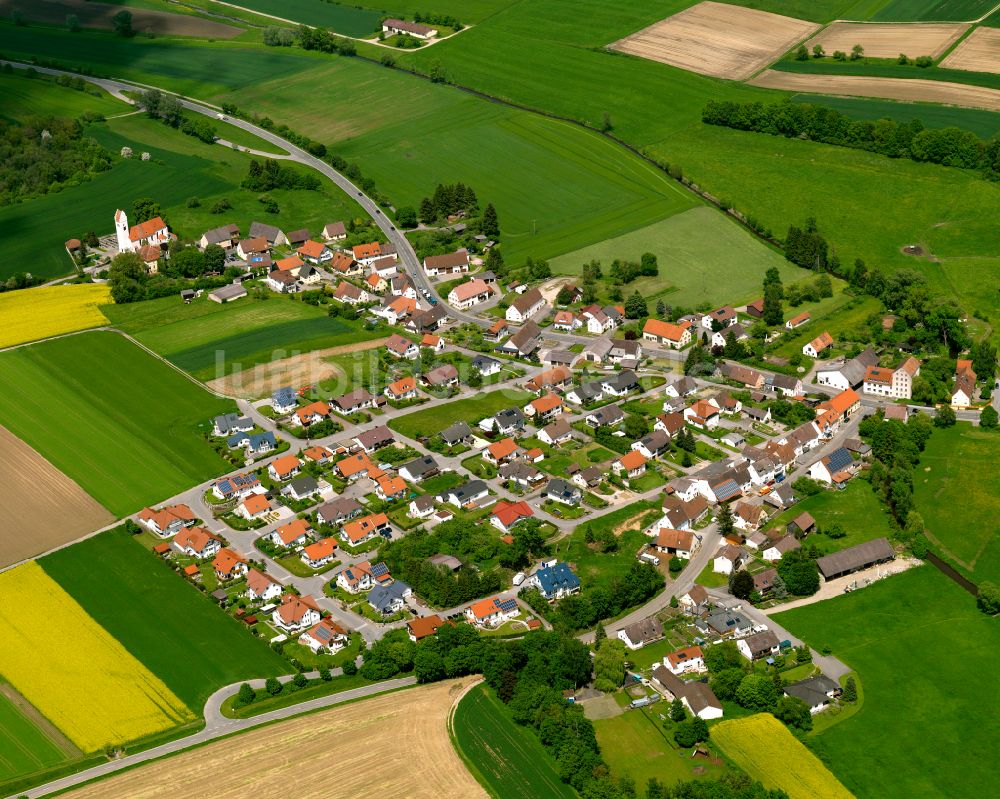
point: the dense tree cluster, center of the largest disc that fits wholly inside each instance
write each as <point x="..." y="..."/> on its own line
<point x="273" y="175"/>
<point x="799" y="572"/>
<point x="448" y="199"/>
<point x="46" y="155"/>
<point x="896" y="449"/>
<point x="791" y="414"/>
<point x="577" y="612"/>
<point x="948" y="146"/>
<point x="323" y="40"/>
<point x="806" y="247"/>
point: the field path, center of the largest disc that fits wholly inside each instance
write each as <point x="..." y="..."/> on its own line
<point x="905" y="89"/>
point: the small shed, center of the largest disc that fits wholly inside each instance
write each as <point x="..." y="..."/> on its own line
<point x="187" y="295"/>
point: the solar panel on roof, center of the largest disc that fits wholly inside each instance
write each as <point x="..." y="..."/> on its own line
<point x="507" y="605"/>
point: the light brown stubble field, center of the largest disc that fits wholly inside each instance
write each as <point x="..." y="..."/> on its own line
<point x="717" y="39"/>
<point x="889" y="40"/>
<point x="391" y="745"/>
<point x="43" y="508"/>
<point x="905" y="89"/>
<point x="979" y="53"/>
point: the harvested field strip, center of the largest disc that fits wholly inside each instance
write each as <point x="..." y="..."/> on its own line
<point x="100" y="15"/>
<point x="319" y="756"/>
<point x="33" y="314"/>
<point x="71" y="678"/>
<point x="40" y="520"/>
<point x="509" y="759"/>
<point x="763" y="747"/>
<point x="979" y="53"/>
<point x="929" y="91"/>
<point x="888" y="40"/>
<point x="717" y="39"/>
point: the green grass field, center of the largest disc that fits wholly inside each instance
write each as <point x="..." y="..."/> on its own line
<point x="466" y="11"/>
<point x="24" y="747"/>
<point x="856" y="509"/>
<point x="950" y="479"/>
<point x="123" y="425"/>
<point x="888" y="69"/>
<point x="840" y="315"/>
<point x="432" y="421"/>
<point x="924" y="655"/>
<point x="933" y="10"/>
<point x="211" y="340"/>
<point x="346" y="19"/>
<point x="173" y="629"/>
<point x="595" y="567"/>
<point x="561" y="187"/>
<point x="983" y="123"/>
<point x="635" y="745"/>
<point x="25" y="98"/>
<point x="508" y="760"/>
<point x="703" y="257"/>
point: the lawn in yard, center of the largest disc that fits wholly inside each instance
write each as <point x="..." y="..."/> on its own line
<point x="177" y="632"/>
<point x="896" y="634"/>
<point x="506" y="758"/>
<point x="431" y="421"/>
<point x="562" y="187"/>
<point x="442" y="482"/>
<point x="838" y="315"/>
<point x="635" y="745"/>
<point x="710" y="578"/>
<point x="210" y="340"/>
<point x="126" y="427"/>
<point x="702" y="255"/>
<point x="856" y="509"/>
<point x="952" y="477"/>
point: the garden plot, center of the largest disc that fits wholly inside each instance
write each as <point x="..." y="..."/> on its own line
<point x="716" y="39"/>
<point x="888" y="40"/>
<point x="979" y="53"/>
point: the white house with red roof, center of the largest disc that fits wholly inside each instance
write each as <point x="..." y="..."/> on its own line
<point x="684" y="661"/>
<point x="262" y="587"/>
<point x="507" y="514"/>
<point x="326" y="636"/>
<point x="296" y="613"/>
<point x="167" y="521"/>
<point x="197" y="542"/>
<point x="153" y="232"/>
<point x="228" y="565"/>
<point x="491" y="612"/>
<point x="294" y="534"/>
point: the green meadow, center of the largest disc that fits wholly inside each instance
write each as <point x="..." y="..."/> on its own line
<point x="349" y="20"/>
<point x="40" y="97"/>
<point x="507" y="759"/>
<point x="172" y="628"/>
<point x="126" y="427"/>
<point x="432" y="421"/>
<point x="924" y="656"/>
<point x="24" y="747"/>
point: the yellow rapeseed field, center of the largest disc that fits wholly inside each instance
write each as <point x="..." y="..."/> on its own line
<point x="33" y="314"/>
<point x="70" y="668"/>
<point x="764" y="748"/>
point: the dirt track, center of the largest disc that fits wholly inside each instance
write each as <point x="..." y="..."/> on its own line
<point x="392" y="745"/>
<point x="717" y="39"/>
<point x="929" y="91"/>
<point x="889" y="40"/>
<point x="99" y="15"/>
<point x="307" y="369"/>
<point x="43" y="508"/>
<point x="979" y="53"/>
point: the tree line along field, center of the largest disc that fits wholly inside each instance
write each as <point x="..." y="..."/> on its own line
<point x="951" y="477"/>
<point x="126" y="427"/>
<point x="702" y="257"/>
<point x="506" y="758"/>
<point x="924" y="655"/>
<point x="210" y="340"/>
<point x="561" y="186"/>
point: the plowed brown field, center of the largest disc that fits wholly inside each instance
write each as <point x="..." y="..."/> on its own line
<point x="979" y="53"/>
<point x="396" y="745"/>
<point x="889" y="40"/>
<point x="929" y="91"/>
<point x="42" y="507"/>
<point x="717" y="39"/>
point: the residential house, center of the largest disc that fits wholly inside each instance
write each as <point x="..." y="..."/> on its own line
<point x="586" y="393"/>
<point x="835" y="468"/>
<point x="325" y="636"/>
<point x="625" y="350"/>
<point x="505" y="422"/>
<point x="384" y="267"/>
<point x="506" y="449"/>
<point x="492" y="612"/>
<point x="389" y="599"/>
<point x="725" y="624"/>
<point x="360" y="531"/>
<point x="256" y="444"/>
<point x="354" y="401"/>
<point x="486" y="366"/>
<point x="843" y="406"/>
<point x="558" y="490"/>
<point x="798" y="321"/>
<point x="302" y="488"/>
<point x="817" y="692"/>
<point x="284" y="400"/>
<point x="402" y="286"/>
<point x="786" y="385"/>
<point x="167" y="521"/>
<point x="353" y="467"/>
<point x="678" y="543"/>
<point x="729" y="559"/>
<point x="424" y="627"/>
<point x="314" y="252"/>
<point x="681" y="387"/>
<point x="525" y="306"/>
<point x="401" y="347"/>
<point x="719" y="318"/>
<point x="759" y="645"/>
<point x="630" y="465"/>
<point x="694" y="598"/>
<point x="556" y="432"/>
<point x="639" y="634"/>
<point x="466" y="295"/>
<point x="606" y="416"/>
<point x="620" y="383"/>
<point x="284" y="468"/>
<point x="776" y="550"/>
<point x="236" y="486"/>
<point x="339" y="510"/>
<point x="685" y="661"/>
<point x="452" y="263"/>
<point x="367" y="254"/>
<point x="667" y="334"/>
<point x="521" y="473"/>
<point x="295" y="533"/>
<point x="555" y="378"/>
<point x="419" y="469"/>
<point x="847" y="374"/>
<point x="225" y="236"/>
<point x="749" y="516"/>
<point x="274" y="236"/>
<point x="229" y="423"/>
<point x="468" y="493"/>
<point x="555" y="581"/>
<point x="421" y="507"/>
<point x="252" y="246"/>
<point x="596" y="320"/>
<point x="524" y="342"/>
<point x="444" y="376"/>
<point x="964" y="392"/>
<point x="818" y="345"/>
<point x="363" y="577"/>
<point x="652" y="445"/>
<point x="566" y="321"/>
<point x="334" y="231"/>
<point x="427" y="321"/>
<point x="254" y="507"/>
<point x="296" y="613"/>
<point x="898" y="412"/>
<point x="390" y="488"/>
<point x="697" y="697"/>
<point x="320" y="554"/>
<point x="374" y="439"/>
<point x="310" y="414"/>
<point x="669" y="423"/>
<point x="377" y="284"/>
<point x="497" y="332"/>
<point x="402" y="390"/>
<point x="741" y="374"/>
<point x="721" y="337"/>
<point x="506" y="515"/>
<point x="432" y="342"/>
<point x="763" y="582"/>
<point x="543" y="408"/>
<point x="262" y="587"/>
<point x="762" y="415"/>
<point x="703" y="415"/>
<point x="282" y="282"/>
<point x="456" y="433"/>
<point x="349" y="294"/>
<point x="588" y="478"/>
<point x="228" y="566"/>
<point x="892" y="383"/>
